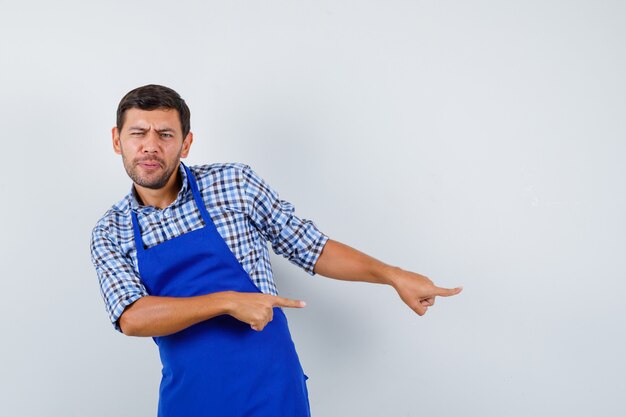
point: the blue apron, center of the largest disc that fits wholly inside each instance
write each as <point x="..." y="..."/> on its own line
<point x="218" y="367"/>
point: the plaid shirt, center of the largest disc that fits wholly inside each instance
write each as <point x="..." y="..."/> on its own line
<point x="245" y="210"/>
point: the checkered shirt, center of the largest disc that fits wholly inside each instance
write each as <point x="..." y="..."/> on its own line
<point x="245" y="209"/>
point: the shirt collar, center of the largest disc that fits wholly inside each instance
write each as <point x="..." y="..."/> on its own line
<point x="134" y="203"/>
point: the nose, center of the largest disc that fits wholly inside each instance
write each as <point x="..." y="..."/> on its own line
<point x="150" y="143"/>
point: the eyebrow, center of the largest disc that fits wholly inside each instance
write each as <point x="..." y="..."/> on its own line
<point x="143" y="129"/>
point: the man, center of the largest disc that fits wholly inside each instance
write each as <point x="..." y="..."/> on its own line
<point x="183" y="259"/>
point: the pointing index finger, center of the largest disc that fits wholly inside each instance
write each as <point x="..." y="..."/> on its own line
<point x="447" y="292"/>
<point x="287" y="302"/>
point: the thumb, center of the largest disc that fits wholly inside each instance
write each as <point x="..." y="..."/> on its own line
<point x="447" y="292"/>
<point x="287" y="302"/>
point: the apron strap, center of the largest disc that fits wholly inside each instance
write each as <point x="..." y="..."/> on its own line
<point x="138" y="242"/>
<point x="196" y="195"/>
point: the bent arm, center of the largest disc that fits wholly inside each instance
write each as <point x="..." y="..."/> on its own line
<point x="159" y="316"/>
<point x="340" y="261"/>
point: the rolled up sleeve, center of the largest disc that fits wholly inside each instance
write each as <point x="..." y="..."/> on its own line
<point x="298" y="240"/>
<point x="119" y="284"/>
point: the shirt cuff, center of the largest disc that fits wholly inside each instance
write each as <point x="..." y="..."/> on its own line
<point x="315" y="253"/>
<point x="119" y="309"/>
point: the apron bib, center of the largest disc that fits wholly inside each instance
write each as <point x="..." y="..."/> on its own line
<point x="219" y="367"/>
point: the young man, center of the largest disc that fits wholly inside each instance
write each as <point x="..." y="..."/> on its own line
<point x="183" y="259"/>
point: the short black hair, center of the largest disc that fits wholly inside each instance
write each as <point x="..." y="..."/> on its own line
<point x="152" y="97"/>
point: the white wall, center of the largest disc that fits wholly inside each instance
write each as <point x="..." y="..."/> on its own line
<point x="479" y="143"/>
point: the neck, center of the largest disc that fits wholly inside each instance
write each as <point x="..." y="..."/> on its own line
<point x="162" y="197"/>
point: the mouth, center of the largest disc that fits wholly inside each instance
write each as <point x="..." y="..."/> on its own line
<point x="151" y="164"/>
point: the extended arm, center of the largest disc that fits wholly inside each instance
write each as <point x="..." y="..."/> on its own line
<point x="340" y="261"/>
<point x="302" y="243"/>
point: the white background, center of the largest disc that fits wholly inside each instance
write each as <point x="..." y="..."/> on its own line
<point x="480" y="143"/>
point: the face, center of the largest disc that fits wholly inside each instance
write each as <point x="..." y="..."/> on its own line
<point x="151" y="144"/>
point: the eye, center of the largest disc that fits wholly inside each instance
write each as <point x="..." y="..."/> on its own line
<point x="167" y="135"/>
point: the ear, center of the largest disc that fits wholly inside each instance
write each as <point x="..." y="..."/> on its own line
<point x="117" y="146"/>
<point x="186" y="145"/>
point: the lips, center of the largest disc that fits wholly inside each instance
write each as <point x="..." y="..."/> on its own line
<point x="149" y="164"/>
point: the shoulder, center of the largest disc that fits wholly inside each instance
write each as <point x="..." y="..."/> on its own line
<point x="218" y="168"/>
<point x="114" y="222"/>
<point x="222" y="172"/>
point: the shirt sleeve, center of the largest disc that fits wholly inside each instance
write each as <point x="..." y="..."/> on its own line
<point x="119" y="284"/>
<point x="298" y="240"/>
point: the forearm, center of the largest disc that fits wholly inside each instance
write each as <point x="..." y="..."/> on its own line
<point x="343" y="262"/>
<point x="159" y="316"/>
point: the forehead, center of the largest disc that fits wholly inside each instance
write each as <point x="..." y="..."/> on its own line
<point x="157" y="119"/>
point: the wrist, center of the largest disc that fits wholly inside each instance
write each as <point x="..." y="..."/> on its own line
<point x="225" y="301"/>
<point x="388" y="274"/>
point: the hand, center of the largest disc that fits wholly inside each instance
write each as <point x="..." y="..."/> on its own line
<point x="418" y="291"/>
<point x="258" y="309"/>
